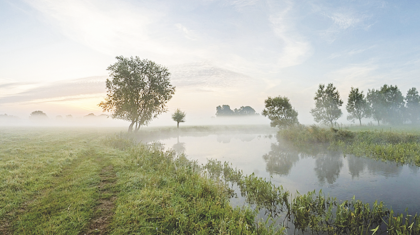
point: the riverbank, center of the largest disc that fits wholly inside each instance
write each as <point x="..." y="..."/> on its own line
<point x="93" y="181"/>
<point x="396" y="145"/>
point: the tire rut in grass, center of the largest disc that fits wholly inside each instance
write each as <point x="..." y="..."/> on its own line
<point x="6" y="224"/>
<point x="105" y="210"/>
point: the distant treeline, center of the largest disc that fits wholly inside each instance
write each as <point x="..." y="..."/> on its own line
<point x="225" y="110"/>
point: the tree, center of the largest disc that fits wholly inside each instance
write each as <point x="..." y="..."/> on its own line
<point x="394" y="104"/>
<point x="357" y="106"/>
<point x="244" y="111"/>
<point x="413" y="105"/>
<point x="280" y="112"/>
<point x="38" y="115"/>
<point x="224" y="110"/>
<point x="327" y="104"/>
<point x="137" y="91"/>
<point x="376" y="104"/>
<point x="178" y="117"/>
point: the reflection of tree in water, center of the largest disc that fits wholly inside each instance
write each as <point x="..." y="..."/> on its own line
<point x="356" y="165"/>
<point x="328" y="167"/>
<point x="414" y="169"/>
<point x="383" y="168"/>
<point x="179" y="147"/>
<point x="377" y="167"/>
<point x="280" y="159"/>
<point x="227" y="138"/>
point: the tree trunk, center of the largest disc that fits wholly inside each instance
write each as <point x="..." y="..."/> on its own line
<point x="360" y="121"/>
<point x="378" y="122"/>
<point x="177" y="124"/>
<point x="130" y="128"/>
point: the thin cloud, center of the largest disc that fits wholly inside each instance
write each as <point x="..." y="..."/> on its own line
<point x="296" y="49"/>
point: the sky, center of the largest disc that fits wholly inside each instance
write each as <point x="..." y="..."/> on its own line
<point x="54" y="54"/>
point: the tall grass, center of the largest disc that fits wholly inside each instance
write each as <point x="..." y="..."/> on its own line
<point x="400" y="147"/>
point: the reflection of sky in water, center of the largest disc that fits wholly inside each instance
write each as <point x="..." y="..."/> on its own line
<point x="342" y="177"/>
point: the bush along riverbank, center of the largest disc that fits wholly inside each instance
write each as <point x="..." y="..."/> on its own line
<point x="402" y="148"/>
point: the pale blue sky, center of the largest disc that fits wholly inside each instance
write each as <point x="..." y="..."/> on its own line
<point x="234" y="52"/>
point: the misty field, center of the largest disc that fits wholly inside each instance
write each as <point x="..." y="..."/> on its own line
<point x="96" y="181"/>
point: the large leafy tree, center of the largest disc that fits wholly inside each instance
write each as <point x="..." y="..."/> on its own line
<point x="280" y="112"/>
<point x="357" y="106"/>
<point x="413" y="105"/>
<point x="178" y="117"/>
<point x="327" y="104"/>
<point x="376" y="104"/>
<point x="394" y="104"/>
<point x="137" y="91"/>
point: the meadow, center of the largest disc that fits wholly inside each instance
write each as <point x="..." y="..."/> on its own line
<point x="101" y="181"/>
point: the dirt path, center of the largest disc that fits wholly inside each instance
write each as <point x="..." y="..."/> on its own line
<point x="105" y="210"/>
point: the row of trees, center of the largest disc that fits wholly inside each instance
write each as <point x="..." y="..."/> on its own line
<point x="139" y="90"/>
<point x="386" y="105"/>
<point x="225" y="110"/>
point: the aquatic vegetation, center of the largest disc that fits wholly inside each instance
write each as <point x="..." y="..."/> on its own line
<point x="315" y="212"/>
<point x="402" y="148"/>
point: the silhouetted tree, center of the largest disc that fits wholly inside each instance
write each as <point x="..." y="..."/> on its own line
<point x="393" y="103"/>
<point x="376" y="104"/>
<point x="90" y="115"/>
<point x="357" y="106"/>
<point x="413" y="105"/>
<point x="280" y="112"/>
<point x="244" y="111"/>
<point x="137" y="91"/>
<point x="178" y="117"/>
<point x="224" y="110"/>
<point x="327" y="104"/>
<point x="38" y="115"/>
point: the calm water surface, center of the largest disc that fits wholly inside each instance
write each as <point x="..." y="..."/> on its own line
<point x="339" y="176"/>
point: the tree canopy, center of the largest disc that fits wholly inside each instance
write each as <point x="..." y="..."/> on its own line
<point x="376" y="104"/>
<point x="137" y="91"/>
<point x="412" y="100"/>
<point x="38" y="115"/>
<point x="225" y="110"/>
<point x="327" y="104"/>
<point x="178" y="117"/>
<point x="357" y="106"/>
<point x="393" y="103"/>
<point x="280" y="112"/>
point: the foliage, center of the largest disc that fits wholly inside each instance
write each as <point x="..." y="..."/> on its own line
<point x="178" y="117"/>
<point x="280" y="112"/>
<point x="38" y="115"/>
<point x="398" y="147"/>
<point x="393" y="103"/>
<point x="312" y="212"/>
<point x="327" y="104"/>
<point x="137" y="91"/>
<point x="357" y="106"/>
<point x="376" y="104"/>
<point x="412" y="100"/>
<point x="225" y="110"/>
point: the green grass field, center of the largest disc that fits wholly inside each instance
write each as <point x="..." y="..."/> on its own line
<point x="96" y="181"/>
<point x="88" y="181"/>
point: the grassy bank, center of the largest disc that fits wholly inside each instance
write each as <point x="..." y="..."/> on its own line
<point x="396" y="145"/>
<point x="62" y="181"/>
